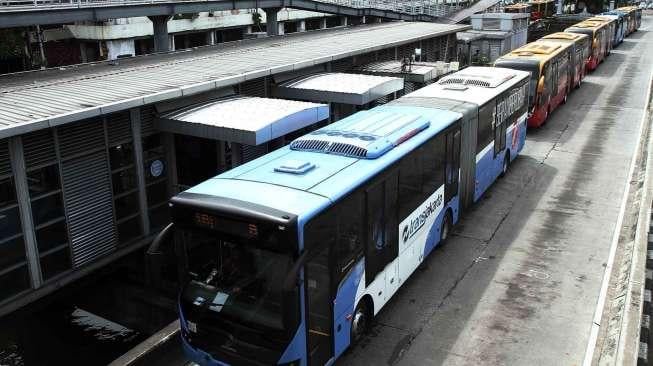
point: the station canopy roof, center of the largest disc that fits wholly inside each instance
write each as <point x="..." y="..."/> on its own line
<point x="41" y="99"/>
<point x="356" y="89"/>
<point x="418" y="72"/>
<point x="245" y="120"/>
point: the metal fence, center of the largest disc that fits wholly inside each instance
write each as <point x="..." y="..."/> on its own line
<point x="435" y="8"/>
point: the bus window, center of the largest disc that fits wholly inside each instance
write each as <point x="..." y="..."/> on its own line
<point x="410" y="183"/>
<point x="433" y="164"/>
<point x="485" y="118"/>
<point x="376" y="234"/>
<point x="350" y="233"/>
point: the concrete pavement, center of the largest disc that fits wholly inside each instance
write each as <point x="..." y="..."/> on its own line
<point x="519" y="282"/>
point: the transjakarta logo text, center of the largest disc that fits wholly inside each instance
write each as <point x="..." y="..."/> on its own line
<point x="415" y="224"/>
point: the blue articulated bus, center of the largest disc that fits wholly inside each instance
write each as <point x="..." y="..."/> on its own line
<point x="285" y="260"/>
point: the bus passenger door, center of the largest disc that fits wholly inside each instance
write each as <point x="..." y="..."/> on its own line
<point x="382" y="239"/>
<point x="318" y="287"/>
<point x="452" y="165"/>
<point x="320" y="235"/>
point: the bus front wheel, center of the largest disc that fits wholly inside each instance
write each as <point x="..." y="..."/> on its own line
<point x="359" y="322"/>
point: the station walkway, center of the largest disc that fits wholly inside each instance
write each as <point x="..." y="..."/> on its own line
<point x="519" y="282"/>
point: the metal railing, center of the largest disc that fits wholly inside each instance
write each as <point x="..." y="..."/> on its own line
<point x="435" y="8"/>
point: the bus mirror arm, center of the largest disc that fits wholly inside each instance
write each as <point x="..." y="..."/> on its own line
<point x="155" y="255"/>
<point x="291" y="280"/>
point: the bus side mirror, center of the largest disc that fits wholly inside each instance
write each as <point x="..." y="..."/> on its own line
<point x="595" y="43"/>
<point x="156" y="254"/>
<point x="291" y="279"/>
<point x="540" y="85"/>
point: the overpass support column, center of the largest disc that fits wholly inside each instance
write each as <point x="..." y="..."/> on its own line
<point x="271" y="22"/>
<point x="301" y="27"/>
<point x="161" y="39"/>
<point x="323" y="23"/>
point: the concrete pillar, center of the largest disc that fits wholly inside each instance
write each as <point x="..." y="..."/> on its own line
<point x="282" y="29"/>
<point x="161" y="39"/>
<point x="363" y="19"/>
<point x="25" y="210"/>
<point x="301" y="27"/>
<point x="171" y="42"/>
<point x="271" y="21"/>
<point x="135" y="116"/>
<point x="323" y="23"/>
<point x="343" y="21"/>
<point x="210" y="37"/>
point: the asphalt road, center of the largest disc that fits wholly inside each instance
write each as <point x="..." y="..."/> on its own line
<point x="519" y="282"/>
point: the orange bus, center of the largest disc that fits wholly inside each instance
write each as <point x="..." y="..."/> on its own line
<point x="550" y="81"/>
<point x="518" y="8"/>
<point x="580" y="52"/>
<point x="542" y="9"/>
<point x="612" y="29"/>
<point x="599" y="36"/>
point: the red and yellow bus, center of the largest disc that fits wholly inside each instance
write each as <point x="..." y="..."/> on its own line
<point x="518" y="8"/>
<point x="580" y="52"/>
<point x="542" y="9"/>
<point x="551" y="78"/>
<point x="600" y="38"/>
<point x="611" y="24"/>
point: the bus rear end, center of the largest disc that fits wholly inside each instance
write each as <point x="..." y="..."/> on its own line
<point x="596" y="54"/>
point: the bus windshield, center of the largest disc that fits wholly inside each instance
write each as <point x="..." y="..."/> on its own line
<point x="233" y="304"/>
<point x="234" y="280"/>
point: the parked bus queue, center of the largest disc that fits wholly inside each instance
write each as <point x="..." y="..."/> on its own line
<point x="558" y="62"/>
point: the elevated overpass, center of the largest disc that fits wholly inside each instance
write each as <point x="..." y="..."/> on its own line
<point x="17" y="13"/>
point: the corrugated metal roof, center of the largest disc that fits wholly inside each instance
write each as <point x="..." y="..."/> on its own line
<point x="35" y="100"/>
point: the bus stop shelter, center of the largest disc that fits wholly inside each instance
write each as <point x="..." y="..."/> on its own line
<point x="346" y="93"/>
<point x="248" y="124"/>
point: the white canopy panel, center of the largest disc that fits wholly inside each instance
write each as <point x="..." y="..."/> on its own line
<point x="245" y="120"/>
<point x="418" y="72"/>
<point x="342" y="88"/>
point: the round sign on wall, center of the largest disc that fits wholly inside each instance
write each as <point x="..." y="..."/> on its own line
<point x="156" y="168"/>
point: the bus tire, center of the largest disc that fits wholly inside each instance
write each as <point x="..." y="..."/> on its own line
<point x="445" y="229"/>
<point x="360" y="322"/>
<point x="506" y="164"/>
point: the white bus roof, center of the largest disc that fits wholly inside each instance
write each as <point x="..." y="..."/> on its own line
<point x="476" y="85"/>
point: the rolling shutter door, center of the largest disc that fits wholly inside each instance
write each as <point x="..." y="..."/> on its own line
<point x="254" y="88"/>
<point x="87" y="191"/>
<point x="118" y="128"/>
<point x="342" y="65"/>
<point x="251" y="152"/>
<point x="5" y="163"/>
<point x="495" y="49"/>
<point x="386" y="54"/>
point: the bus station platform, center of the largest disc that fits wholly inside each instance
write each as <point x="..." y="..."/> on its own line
<point x="547" y="268"/>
